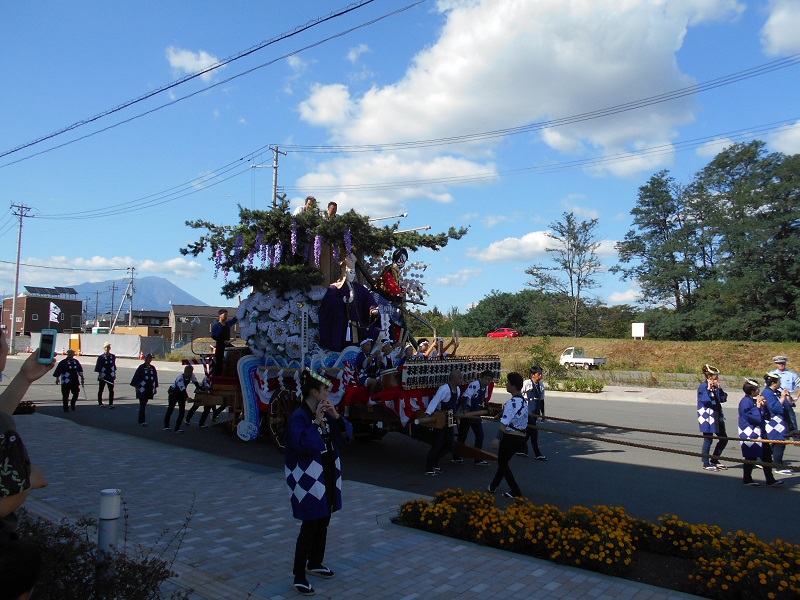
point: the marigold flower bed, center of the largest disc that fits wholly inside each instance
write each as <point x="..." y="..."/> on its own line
<point x="606" y="539"/>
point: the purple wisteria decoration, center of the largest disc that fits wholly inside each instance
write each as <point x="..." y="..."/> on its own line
<point x="294" y="239"/>
<point x="218" y="261"/>
<point x="336" y="254"/>
<point x="348" y="243"/>
<point x="317" y="249"/>
<point x="237" y="247"/>
<point x="250" y="259"/>
<point x="261" y="247"/>
<point x="278" y="253"/>
<point x="271" y="255"/>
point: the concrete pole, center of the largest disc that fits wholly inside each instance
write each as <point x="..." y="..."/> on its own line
<point x="108" y="525"/>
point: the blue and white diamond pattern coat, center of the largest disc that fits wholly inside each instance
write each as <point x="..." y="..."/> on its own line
<point x="751" y="421"/>
<point x="709" y="408"/>
<point x="311" y="495"/>
<point x="777" y="424"/>
<point x="70" y="371"/>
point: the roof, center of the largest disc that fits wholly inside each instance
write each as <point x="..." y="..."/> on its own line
<point x="188" y="310"/>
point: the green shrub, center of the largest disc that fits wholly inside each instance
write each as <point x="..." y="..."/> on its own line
<point x="69" y="564"/>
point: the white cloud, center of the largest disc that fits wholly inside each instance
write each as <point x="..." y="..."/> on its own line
<point x="99" y="268"/>
<point x="328" y="105"/>
<point x="779" y="35"/>
<point x="355" y="53"/>
<point x="377" y="169"/>
<point x="582" y="212"/>
<point x="184" y="62"/>
<point x="459" y="278"/>
<point x="786" y="139"/>
<point x="533" y="61"/>
<point x="629" y="296"/>
<point x="529" y="246"/>
<point x="607" y="249"/>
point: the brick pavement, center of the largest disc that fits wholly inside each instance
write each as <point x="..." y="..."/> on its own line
<point x="240" y="541"/>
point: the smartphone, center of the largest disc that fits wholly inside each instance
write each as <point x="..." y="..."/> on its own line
<point x="47" y="346"/>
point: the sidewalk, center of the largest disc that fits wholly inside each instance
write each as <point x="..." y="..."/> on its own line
<point x="240" y="542"/>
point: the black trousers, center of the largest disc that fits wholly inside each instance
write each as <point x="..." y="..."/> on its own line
<point x="509" y="445"/>
<point x="310" y="548"/>
<point x="219" y="358"/>
<point x="172" y="400"/>
<point x="74" y="388"/>
<point x="442" y="444"/>
<point x="142" y="405"/>
<point x="204" y="416"/>
<point x="100" y="387"/>
<point x="532" y="435"/>
<point x="464" y="427"/>
<point x="766" y="456"/>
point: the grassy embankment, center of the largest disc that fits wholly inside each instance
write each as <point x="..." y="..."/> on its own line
<point x="739" y="359"/>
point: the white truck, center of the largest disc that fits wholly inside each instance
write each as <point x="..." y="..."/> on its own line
<point x="573" y="357"/>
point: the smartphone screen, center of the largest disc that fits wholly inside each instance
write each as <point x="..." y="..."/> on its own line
<point x="46" y="347"/>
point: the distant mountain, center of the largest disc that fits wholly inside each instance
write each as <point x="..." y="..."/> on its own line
<point x="150" y="293"/>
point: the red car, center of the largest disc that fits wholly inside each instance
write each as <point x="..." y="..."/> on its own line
<point x="503" y="332"/>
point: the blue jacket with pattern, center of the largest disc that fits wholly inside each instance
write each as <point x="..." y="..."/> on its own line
<point x="313" y="470"/>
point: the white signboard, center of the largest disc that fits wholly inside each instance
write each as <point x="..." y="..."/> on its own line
<point x="637" y="330"/>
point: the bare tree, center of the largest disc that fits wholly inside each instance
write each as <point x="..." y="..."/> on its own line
<point x="575" y="254"/>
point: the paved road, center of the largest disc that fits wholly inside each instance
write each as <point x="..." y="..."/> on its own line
<point x="579" y="470"/>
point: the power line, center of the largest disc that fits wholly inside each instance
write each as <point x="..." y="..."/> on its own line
<point x="191" y="76"/>
<point x="212" y="86"/>
<point x="189" y="188"/>
<point x="736" y="77"/>
<point x="7" y="262"/>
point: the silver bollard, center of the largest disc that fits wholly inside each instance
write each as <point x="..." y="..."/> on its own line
<point x="108" y="527"/>
<point x="107" y="536"/>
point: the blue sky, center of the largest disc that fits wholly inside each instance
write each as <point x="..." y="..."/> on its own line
<point x="119" y="198"/>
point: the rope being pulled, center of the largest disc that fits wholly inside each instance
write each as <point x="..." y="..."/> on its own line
<point x="659" y="448"/>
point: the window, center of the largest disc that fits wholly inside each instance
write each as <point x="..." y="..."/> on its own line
<point x="75" y="321"/>
<point x="34" y="317"/>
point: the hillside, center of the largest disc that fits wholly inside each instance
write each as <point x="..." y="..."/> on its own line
<point x="732" y="358"/>
<point x="151" y="293"/>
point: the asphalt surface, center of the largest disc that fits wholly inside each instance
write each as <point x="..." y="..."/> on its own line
<point x="587" y="464"/>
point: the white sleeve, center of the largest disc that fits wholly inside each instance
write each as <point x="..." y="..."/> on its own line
<point x="441" y="394"/>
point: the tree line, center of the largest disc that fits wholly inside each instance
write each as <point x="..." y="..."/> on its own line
<point x="717" y="257"/>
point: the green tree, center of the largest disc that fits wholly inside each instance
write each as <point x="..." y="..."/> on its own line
<point x="574" y="252"/>
<point x="661" y="252"/>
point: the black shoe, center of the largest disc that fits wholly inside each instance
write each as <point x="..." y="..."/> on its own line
<point x="540" y="457"/>
<point x="179" y="431"/>
<point x="488" y="487"/>
<point x="110" y="406"/>
<point x="752" y="483"/>
<point x="166" y="428"/>
<point x="101" y="404"/>
<point x="457" y="461"/>
<point x="321" y="571"/>
<point x="509" y="495"/>
<point x="432" y="473"/>
<point x="525" y="454"/>
<point x="776" y="483"/>
<point x="303" y="588"/>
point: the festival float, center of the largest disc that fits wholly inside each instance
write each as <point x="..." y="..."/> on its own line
<point x="318" y="287"/>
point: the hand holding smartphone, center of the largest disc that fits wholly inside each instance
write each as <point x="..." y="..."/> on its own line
<point x="47" y="346"/>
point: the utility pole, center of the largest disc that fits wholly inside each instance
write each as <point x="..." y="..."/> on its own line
<point x="21" y="212"/>
<point x="133" y="289"/>
<point x="113" y="289"/>
<point x="129" y="296"/>
<point x="276" y="152"/>
<point x="96" y="306"/>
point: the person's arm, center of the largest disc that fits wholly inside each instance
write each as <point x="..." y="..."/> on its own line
<point x="442" y="393"/>
<point x="31" y="371"/>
